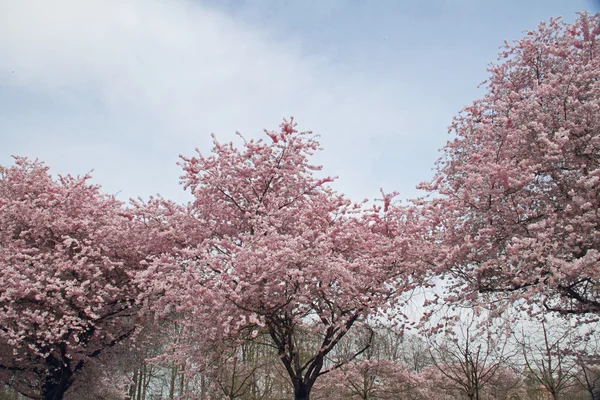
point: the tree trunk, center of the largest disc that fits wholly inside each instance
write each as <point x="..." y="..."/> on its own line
<point x="58" y="380"/>
<point x="133" y="387"/>
<point x="202" y="387"/>
<point x="301" y="391"/>
<point x="173" y="379"/>
<point x="145" y="380"/>
<point x="140" y="384"/>
<point x="182" y="382"/>
<point x="56" y="385"/>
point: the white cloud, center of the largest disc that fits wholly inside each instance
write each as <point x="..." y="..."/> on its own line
<point x="131" y="84"/>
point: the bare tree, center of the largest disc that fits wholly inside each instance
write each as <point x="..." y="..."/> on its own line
<point x="547" y="359"/>
<point x="588" y="363"/>
<point x="469" y="355"/>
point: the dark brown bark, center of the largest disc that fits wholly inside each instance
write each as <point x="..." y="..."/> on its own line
<point x="58" y="380"/>
<point x="301" y="391"/>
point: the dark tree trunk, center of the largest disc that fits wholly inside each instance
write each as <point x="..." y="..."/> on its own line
<point x="58" y="380"/>
<point x="56" y="385"/>
<point x="301" y="391"/>
<point x="303" y="378"/>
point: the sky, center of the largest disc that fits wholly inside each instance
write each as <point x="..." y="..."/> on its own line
<point x="123" y="87"/>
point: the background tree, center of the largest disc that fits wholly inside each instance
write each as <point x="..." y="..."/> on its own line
<point x="506" y="384"/>
<point x="371" y="379"/>
<point x="467" y="355"/>
<point x="377" y="373"/>
<point x="588" y="375"/>
<point x="548" y="357"/>
<point x="518" y="189"/>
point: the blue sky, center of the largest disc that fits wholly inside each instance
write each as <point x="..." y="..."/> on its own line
<point x="124" y="87"/>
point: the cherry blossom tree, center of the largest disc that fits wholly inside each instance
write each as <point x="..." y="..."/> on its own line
<point x="271" y="248"/>
<point x="378" y="373"/>
<point x="67" y="259"/>
<point x="438" y="386"/>
<point x="505" y="385"/>
<point x="517" y="192"/>
<point x="369" y="379"/>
